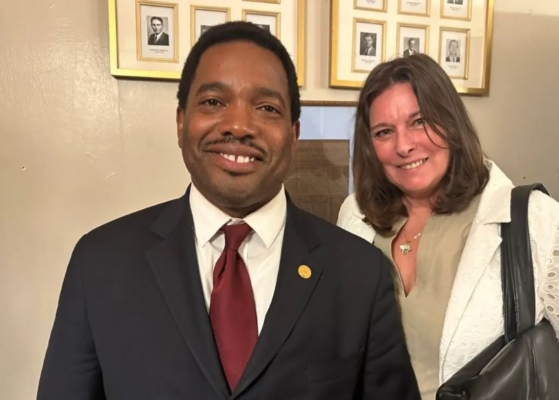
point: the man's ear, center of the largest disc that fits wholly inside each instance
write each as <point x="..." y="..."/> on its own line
<point x="180" y="125"/>
<point x="295" y="129"/>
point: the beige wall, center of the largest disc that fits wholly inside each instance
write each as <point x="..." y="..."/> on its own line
<point x="79" y="148"/>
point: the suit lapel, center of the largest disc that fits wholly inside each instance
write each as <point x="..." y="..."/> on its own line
<point x="175" y="266"/>
<point x="290" y="297"/>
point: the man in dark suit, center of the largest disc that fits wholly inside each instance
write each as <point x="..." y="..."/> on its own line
<point x="412" y="48"/>
<point x="453" y="52"/>
<point x="158" y="37"/>
<point x="231" y="291"/>
<point x="368" y="45"/>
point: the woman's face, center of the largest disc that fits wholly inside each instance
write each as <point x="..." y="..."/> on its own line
<point x="413" y="156"/>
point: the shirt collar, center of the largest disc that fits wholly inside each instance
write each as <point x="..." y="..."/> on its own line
<point x="267" y="222"/>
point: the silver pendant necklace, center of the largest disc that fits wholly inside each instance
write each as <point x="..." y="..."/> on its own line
<point x="406" y="248"/>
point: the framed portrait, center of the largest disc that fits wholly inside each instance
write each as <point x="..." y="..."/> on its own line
<point x="456" y="9"/>
<point x="371" y="5"/>
<point x="157" y="38"/>
<point x="415" y="7"/>
<point x="368" y="44"/>
<point x="203" y="18"/>
<point x="269" y="21"/>
<point x="454" y="52"/>
<point x="144" y="34"/>
<point x="412" y="39"/>
<point x="463" y="35"/>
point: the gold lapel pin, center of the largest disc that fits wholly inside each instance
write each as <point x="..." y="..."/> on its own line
<point x="304" y="271"/>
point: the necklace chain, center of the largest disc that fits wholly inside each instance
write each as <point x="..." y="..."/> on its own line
<point x="406" y="235"/>
<point x="406" y="247"/>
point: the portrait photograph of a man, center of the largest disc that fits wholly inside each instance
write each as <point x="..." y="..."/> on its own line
<point x="412" y="46"/>
<point x="368" y="45"/>
<point x="157" y="35"/>
<point x="412" y="39"/>
<point x="156" y="32"/>
<point x="453" y="51"/>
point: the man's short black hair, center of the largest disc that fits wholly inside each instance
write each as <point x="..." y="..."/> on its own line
<point x="246" y="32"/>
<point x="157" y="18"/>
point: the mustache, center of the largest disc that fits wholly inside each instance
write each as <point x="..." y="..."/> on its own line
<point x="245" y="141"/>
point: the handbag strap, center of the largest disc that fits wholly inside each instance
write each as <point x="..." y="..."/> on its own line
<point x="517" y="271"/>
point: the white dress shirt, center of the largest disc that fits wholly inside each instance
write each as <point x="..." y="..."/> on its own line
<point x="261" y="250"/>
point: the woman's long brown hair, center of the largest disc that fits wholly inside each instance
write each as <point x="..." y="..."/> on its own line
<point x="443" y="110"/>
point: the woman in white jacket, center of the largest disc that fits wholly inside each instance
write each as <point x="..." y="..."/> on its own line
<point x="427" y="197"/>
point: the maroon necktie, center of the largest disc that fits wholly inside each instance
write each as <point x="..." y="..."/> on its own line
<point x="232" y="309"/>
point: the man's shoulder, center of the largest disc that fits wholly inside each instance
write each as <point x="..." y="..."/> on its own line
<point x="128" y="227"/>
<point x="337" y="239"/>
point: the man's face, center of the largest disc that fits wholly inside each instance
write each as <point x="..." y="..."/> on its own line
<point x="453" y="48"/>
<point x="236" y="134"/>
<point x="369" y="41"/>
<point x="412" y="45"/>
<point x="157" y="26"/>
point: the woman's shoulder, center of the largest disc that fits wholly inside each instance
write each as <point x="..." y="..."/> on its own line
<point x="350" y="218"/>
<point x="496" y="201"/>
<point x="350" y="206"/>
<point x="349" y="210"/>
<point x="542" y="203"/>
<point x="543" y="219"/>
<point x="543" y="216"/>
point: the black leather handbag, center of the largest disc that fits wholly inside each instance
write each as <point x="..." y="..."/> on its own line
<point x="523" y="364"/>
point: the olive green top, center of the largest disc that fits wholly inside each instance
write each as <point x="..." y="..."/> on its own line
<point x="439" y="249"/>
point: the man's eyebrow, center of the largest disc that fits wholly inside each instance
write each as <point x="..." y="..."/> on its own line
<point x="265" y="91"/>
<point x="211" y="87"/>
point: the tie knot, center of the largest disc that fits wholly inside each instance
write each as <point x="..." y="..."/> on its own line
<point x="235" y="234"/>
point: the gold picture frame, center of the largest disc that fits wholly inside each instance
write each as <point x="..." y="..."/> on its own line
<point x="463" y="62"/>
<point x="473" y="78"/>
<point x="427" y="12"/>
<point x="403" y="25"/>
<point x="151" y="46"/>
<point x="195" y="33"/>
<point x="272" y="14"/>
<point x="125" y="41"/>
<point x="362" y="55"/>
<point x="382" y="9"/>
<point x="467" y="7"/>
